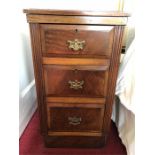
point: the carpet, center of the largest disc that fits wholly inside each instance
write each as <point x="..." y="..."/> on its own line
<point x="31" y="143"/>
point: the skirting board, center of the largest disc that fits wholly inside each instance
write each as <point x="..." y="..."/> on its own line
<point x="27" y="106"/>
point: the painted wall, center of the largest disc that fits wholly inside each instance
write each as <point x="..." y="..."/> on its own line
<point x="27" y="93"/>
<point x="129" y="35"/>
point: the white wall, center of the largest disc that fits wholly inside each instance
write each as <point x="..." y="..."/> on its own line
<point x="72" y="4"/>
<point x="27" y="94"/>
<point x="129" y="35"/>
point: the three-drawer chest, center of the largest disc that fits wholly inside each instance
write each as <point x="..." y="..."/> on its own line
<point x="76" y="59"/>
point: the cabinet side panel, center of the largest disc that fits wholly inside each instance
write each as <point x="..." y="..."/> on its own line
<point x="38" y="72"/>
<point x="113" y="71"/>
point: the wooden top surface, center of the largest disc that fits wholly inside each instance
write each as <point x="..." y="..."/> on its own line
<point x="76" y="13"/>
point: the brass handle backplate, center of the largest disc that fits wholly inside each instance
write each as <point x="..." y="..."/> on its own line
<point x="76" y="84"/>
<point x="74" y="120"/>
<point x="76" y="44"/>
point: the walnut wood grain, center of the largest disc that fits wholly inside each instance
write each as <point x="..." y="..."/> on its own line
<point x="36" y="54"/>
<point x="90" y="134"/>
<point x="76" y="67"/>
<point x="113" y="71"/>
<point x="75" y="61"/>
<point x="75" y="141"/>
<point x="75" y="100"/>
<point x="76" y="105"/>
<point x="76" y="12"/>
<point x="91" y="119"/>
<point x="57" y="82"/>
<point x="55" y="37"/>
<point x="76" y="20"/>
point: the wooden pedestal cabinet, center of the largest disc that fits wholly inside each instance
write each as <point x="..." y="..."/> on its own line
<point x="76" y="58"/>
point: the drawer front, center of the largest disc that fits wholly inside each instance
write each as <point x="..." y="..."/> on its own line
<point x="77" y="40"/>
<point x="61" y="119"/>
<point x="70" y="81"/>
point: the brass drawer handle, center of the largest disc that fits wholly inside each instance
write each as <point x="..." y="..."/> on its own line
<point x="76" y="84"/>
<point x="76" y="44"/>
<point x="74" y="120"/>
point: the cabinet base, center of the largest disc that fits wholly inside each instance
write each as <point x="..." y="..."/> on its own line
<point x="70" y="141"/>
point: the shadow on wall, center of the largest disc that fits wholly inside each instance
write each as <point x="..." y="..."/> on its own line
<point x="27" y="56"/>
